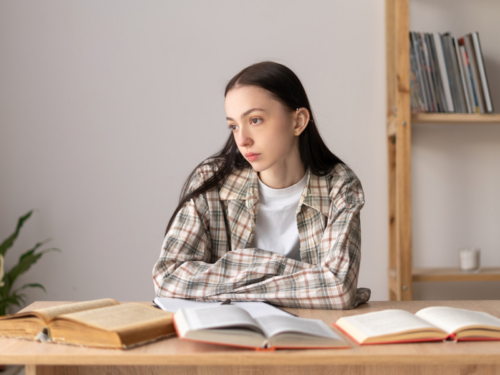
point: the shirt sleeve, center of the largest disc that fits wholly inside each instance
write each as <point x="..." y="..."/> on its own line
<point x="183" y="271"/>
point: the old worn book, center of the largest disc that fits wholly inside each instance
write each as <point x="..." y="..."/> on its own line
<point x="99" y="323"/>
<point x="234" y="326"/>
<point x="429" y="324"/>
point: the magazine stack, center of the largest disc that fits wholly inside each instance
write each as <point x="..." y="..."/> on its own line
<point x="448" y="74"/>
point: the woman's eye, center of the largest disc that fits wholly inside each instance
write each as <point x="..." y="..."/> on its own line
<point x="252" y="122"/>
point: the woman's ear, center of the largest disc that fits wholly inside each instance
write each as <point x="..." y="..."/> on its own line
<point x="301" y="120"/>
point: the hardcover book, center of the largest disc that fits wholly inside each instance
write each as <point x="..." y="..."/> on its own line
<point x="99" y="323"/>
<point x="232" y="325"/>
<point x="429" y="324"/>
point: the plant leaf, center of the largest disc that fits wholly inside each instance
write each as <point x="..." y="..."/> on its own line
<point x="10" y="240"/>
<point x="15" y="299"/>
<point x="25" y="264"/>
<point x="22" y="297"/>
<point x="31" y="251"/>
<point x="31" y="285"/>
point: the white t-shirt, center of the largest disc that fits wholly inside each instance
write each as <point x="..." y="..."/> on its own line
<point x="276" y="225"/>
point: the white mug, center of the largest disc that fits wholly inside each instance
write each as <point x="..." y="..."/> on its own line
<point x="469" y="259"/>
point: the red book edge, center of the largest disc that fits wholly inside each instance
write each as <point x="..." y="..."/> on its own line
<point x="257" y="348"/>
<point x="478" y="339"/>
<point x="390" y="342"/>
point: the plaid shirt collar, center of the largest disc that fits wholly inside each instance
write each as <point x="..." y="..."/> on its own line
<point x="243" y="184"/>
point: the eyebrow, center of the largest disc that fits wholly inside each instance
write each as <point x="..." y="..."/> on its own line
<point x="247" y="112"/>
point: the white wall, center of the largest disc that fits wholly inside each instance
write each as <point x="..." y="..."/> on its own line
<point x="105" y="108"/>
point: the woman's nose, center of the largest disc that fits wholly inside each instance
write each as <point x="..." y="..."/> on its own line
<point x="243" y="139"/>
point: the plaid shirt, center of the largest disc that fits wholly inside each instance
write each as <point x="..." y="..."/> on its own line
<point x="204" y="256"/>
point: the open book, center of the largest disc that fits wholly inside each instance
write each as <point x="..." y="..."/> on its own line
<point x="429" y="324"/>
<point x="256" y="309"/>
<point x="232" y="325"/>
<point x="99" y="323"/>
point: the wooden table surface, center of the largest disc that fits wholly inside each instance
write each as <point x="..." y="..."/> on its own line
<point x="172" y="351"/>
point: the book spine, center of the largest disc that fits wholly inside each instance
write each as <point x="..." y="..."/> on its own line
<point x="420" y="71"/>
<point x="482" y="72"/>
<point x="420" y="75"/>
<point x="427" y="65"/>
<point x="443" y="72"/>
<point x="475" y="72"/>
<point x="454" y="76"/>
<point x="458" y="78"/>
<point x="413" y="86"/>
<point x="417" y="103"/>
<point x="468" y="83"/>
<point x="425" y="79"/>
<point x="475" y="103"/>
<point x="449" y="69"/>
<point x="435" y="74"/>
<point x="463" y="85"/>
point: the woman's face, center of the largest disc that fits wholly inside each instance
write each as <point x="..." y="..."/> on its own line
<point x="262" y="127"/>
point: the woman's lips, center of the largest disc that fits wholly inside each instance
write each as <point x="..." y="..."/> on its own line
<point x="251" y="156"/>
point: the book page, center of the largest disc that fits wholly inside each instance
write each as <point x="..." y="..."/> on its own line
<point x="386" y="322"/>
<point x="221" y="316"/>
<point x="274" y="325"/>
<point x="118" y="317"/>
<point x="50" y="313"/>
<point x="256" y="309"/>
<point x="230" y="336"/>
<point x="452" y="319"/>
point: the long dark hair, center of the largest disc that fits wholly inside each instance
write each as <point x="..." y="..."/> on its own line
<point x="283" y="85"/>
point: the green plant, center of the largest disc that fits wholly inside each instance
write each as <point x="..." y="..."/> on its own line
<point x="7" y="279"/>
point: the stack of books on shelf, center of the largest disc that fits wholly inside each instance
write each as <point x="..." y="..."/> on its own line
<point x="448" y="74"/>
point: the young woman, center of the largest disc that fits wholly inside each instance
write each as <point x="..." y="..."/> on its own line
<point x="274" y="216"/>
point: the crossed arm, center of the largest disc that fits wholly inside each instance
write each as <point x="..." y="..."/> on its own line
<point x="183" y="269"/>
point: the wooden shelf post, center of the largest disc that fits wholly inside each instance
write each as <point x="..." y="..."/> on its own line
<point x="399" y="149"/>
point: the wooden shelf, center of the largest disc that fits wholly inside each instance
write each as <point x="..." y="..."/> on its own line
<point x="451" y="118"/>
<point x="401" y="273"/>
<point x="454" y="274"/>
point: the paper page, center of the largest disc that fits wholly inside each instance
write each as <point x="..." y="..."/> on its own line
<point x="259" y="309"/>
<point x="115" y="318"/>
<point x="386" y="322"/>
<point x="50" y="313"/>
<point x="451" y="319"/>
<point x="274" y="325"/>
<point x="255" y="309"/>
<point x="222" y="316"/>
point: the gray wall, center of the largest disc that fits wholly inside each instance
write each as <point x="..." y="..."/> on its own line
<point x="105" y="108"/>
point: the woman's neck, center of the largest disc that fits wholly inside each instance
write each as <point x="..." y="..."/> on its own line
<point x="280" y="178"/>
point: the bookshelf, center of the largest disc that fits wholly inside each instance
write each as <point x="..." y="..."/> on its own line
<point x="400" y="120"/>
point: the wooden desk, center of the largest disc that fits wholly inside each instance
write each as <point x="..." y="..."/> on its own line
<point x="174" y="356"/>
